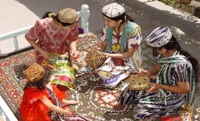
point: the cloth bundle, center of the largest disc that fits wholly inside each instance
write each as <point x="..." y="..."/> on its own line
<point x="62" y="70"/>
<point x="112" y="74"/>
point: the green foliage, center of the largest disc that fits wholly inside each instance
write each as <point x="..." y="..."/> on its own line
<point x="197" y="12"/>
<point x="183" y="7"/>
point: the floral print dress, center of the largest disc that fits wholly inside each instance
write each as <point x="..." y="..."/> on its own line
<point x="51" y="39"/>
<point x="132" y="41"/>
<point x="114" y="70"/>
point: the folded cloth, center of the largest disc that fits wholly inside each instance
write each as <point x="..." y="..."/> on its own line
<point x="112" y="74"/>
<point x="62" y="70"/>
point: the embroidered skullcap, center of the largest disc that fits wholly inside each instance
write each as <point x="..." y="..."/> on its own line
<point x="34" y="72"/>
<point x="158" y="37"/>
<point x="113" y="10"/>
<point x="68" y="15"/>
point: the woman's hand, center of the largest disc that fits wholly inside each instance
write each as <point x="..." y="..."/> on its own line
<point x="106" y="54"/>
<point x="153" y="87"/>
<point x="74" y="53"/>
<point x="45" y="54"/>
<point x="66" y="102"/>
<point x="68" y="112"/>
<point x="78" y="60"/>
<point x="82" y="63"/>
<point x="144" y="72"/>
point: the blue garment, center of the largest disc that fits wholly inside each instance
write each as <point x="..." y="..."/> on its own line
<point x="175" y="68"/>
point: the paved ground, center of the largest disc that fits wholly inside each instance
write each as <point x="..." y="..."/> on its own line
<point x="16" y="14"/>
<point x="22" y="13"/>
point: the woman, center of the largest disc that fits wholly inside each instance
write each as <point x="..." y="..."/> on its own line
<point x="43" y="101"/>
<point x="121" y="38"/>
<point x="176" y="76"/>
<point x="55" y="33"/>
<point x="53" y="36"/>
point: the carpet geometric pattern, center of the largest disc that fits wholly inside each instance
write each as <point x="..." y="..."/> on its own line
<point x="10" y="87"/>
<point x="95" y="99"/>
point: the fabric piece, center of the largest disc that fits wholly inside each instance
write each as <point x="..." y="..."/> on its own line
<point x="171" y="118"/>
<point x="62" y="70"/>
<point x="183" y="116"/>
<point x="113" y="10"/>
<point x="51" y="39"/>
<point x="162" y="102"/>
<point x="112" y="72"/>
<point x="62" y="117"/>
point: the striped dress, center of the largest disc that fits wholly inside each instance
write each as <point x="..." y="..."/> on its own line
<point x="163" y="103"/>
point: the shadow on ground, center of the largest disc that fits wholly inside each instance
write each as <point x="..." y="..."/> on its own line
<point x="185" y="28"/>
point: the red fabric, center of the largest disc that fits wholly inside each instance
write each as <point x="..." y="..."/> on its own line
<point x="171" y="118"/>
<point x="60" y="94"/>
<point x="32" y="109"/>
<point x="62" y="88"/>
<point x="51" y="39"/>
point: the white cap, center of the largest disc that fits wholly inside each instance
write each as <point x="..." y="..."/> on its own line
<point x="158" y="37"/>
<point x="113" y="10"/>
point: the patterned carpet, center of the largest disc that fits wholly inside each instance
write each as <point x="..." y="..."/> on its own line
<point x="95" y="100"/>
<point x="11" y="88"/>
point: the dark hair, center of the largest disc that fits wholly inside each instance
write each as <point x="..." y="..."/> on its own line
<point x="40" y="84"/>
<point x="122" y="17"/>
<point x="174" y="44"/>
<point x="55" y="17"/>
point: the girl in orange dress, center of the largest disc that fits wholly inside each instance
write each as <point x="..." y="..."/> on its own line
<point x="42" y="101"/>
